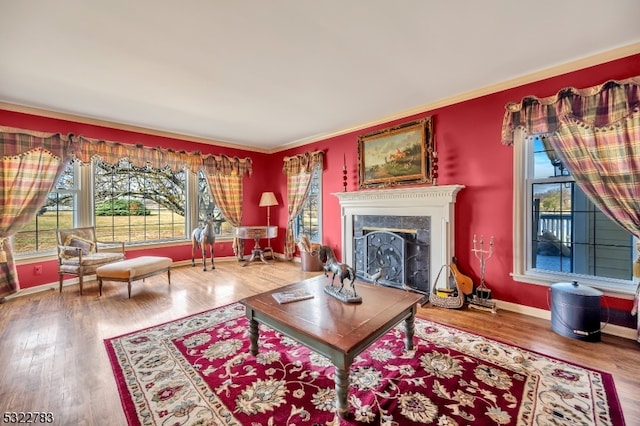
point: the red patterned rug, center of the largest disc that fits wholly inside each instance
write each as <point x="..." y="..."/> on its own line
<point x="198" y="371"/>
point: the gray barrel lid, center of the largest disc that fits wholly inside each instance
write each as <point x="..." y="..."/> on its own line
<point x="575" y="288"/>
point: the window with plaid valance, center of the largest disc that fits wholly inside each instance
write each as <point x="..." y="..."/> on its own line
<point x="595" y="133"/>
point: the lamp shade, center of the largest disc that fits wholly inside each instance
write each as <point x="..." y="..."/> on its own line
<point x="268" y="199"/>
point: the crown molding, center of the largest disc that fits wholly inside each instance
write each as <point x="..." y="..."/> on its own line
<point x="598" y="59"/>
<point x="126" y="127"/>
<point x="576" y="65"/>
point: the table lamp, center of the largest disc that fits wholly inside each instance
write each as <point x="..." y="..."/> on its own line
<point x="267" y="200"/>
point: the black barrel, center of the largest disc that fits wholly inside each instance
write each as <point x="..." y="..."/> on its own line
<point x="575" y="311"/>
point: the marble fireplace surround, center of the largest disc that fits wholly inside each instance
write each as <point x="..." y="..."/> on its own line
<point x="436" y="202"/>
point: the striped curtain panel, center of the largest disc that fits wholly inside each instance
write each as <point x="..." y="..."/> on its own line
<point x="31" y="163"/>
<point x="298" y="170"/>
<point x="225" y="177"/>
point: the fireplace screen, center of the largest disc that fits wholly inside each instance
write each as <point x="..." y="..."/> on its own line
<point x="403" y="261"/>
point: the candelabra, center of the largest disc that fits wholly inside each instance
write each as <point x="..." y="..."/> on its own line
<point x="483" y="293"/>
<point x="434" y="167"/>
<point x="344" y="173"/>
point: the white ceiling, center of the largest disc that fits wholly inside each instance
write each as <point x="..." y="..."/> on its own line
<point x="270" y="74"/>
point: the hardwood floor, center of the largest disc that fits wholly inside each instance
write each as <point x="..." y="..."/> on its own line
<point x="53" y="359"/>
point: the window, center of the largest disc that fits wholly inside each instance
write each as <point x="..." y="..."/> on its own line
<point x="308" y="221"/>
<point x="560" y="234"/>
<point x="126" y="203"/>
<point x="138" y="204"/>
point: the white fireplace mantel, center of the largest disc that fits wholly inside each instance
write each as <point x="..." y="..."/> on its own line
<point x="436" y="202"/>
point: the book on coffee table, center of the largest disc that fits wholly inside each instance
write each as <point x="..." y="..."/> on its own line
<point x="292" y="295"/>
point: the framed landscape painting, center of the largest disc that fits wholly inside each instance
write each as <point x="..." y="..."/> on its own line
<point x="397" y="155"/>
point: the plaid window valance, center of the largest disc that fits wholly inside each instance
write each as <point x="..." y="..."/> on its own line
<point x="16" y="142"/>
<point x="84" y="149"/>
<point x="19" y="141"/>
<point x="599" y="106"/>
<point x="302" y="162"/>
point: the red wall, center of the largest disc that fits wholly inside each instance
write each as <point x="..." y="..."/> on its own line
<point x="470" y="153"/>
<point x="254" y="184"/>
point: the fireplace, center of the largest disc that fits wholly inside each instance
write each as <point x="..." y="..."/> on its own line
<point x="414" y="224"/>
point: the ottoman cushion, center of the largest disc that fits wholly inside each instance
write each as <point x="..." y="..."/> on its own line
<point x="135" y="267"/>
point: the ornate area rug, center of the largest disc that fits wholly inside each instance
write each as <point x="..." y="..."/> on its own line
<point x="198" y="371"/>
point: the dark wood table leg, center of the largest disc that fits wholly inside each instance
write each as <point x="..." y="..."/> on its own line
<point x="409" y="329"/>
<point x="342" y="390"/>
<point x="253" y="336"/>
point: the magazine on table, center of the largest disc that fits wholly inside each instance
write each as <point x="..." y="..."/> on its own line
<point x="292" y="295"/>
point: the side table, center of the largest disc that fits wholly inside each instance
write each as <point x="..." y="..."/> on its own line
<point x="256" y="233"/>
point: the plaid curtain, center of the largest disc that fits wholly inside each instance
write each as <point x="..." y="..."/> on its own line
<point x="298" y="170"/>
<point x="224" y="176"/>
<point x="605" y="162"/>
<point x="31" y="163"/>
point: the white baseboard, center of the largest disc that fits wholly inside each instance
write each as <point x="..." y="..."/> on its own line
<point x="614" y="330"/>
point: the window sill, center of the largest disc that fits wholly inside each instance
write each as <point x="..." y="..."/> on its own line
<point x="614" y="288"/>
<point x="26" y="259"/>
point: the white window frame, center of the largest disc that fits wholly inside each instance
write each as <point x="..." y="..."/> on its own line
<point x="84" y="207"/>
<point x="522" y="226"/>
<point x="90" y="198"/>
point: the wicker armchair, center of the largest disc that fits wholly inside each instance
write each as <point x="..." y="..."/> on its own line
<point x="79" y="254"/>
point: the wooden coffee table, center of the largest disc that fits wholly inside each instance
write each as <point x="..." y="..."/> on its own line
<point x="337" y="330"/>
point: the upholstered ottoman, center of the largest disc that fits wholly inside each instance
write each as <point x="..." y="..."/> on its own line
<point x="134" y="269"/>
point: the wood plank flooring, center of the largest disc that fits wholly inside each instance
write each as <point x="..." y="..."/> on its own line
<point x="53" y="359"/>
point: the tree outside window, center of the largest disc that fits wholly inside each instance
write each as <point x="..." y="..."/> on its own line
<point x="137" y="205"/>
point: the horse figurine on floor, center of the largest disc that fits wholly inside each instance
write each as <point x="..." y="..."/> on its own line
<point x="201" y="237"/>
<point x="342" y="270"/>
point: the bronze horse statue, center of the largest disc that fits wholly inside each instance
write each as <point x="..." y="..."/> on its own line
<point x="342" y="270"/>
<point x="201" y="237"/>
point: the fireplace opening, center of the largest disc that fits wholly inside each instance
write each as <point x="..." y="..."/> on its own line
<point x="393" y="248"/>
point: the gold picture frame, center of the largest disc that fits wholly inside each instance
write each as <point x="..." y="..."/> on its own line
<point x="397" y="155"/>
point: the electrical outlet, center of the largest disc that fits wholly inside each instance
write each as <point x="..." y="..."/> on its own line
<point x="37" y="270"/>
